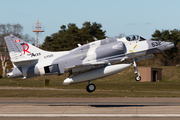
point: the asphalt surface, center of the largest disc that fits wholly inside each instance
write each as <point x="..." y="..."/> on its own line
<point x="90" y="108"/>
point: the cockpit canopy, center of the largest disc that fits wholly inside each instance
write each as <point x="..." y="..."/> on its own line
<point x="134" y="38"/>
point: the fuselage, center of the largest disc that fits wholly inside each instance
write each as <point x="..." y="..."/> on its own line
<point x="110" y="50"/>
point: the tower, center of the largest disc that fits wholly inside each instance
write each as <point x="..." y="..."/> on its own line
<point x="37" y="30"/>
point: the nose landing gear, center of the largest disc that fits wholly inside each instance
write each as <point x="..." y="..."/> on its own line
<point x="138" y="77"/>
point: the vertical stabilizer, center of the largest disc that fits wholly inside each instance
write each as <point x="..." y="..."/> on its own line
<point x="13" y="49"/>
<point x="20" y="50"/>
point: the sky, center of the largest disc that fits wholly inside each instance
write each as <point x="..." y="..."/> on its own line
<point x="141" y="17"/>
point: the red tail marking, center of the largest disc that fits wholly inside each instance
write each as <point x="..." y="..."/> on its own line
<point x="26" y="50"/>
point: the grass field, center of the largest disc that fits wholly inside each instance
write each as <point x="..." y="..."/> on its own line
<point x="119" y="85"/>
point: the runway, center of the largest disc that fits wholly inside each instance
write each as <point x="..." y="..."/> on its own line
<point x="130" y="108"/>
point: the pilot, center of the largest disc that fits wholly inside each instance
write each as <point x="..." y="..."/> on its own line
<point x="133" y="37"/>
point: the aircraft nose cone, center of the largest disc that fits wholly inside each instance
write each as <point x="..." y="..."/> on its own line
<point x="169" y="45"/>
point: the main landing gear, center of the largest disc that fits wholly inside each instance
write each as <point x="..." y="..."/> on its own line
<point x="91" y="87"/>
<point x="138" y="77"/>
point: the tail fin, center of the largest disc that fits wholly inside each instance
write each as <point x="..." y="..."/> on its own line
<point x="20" y="50"/>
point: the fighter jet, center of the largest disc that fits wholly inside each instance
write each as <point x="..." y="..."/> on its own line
<point x="85" y="63"/>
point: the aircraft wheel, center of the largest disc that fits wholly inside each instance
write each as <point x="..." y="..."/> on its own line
<point x="90" y="88"/>
<point x="138" y="78"/>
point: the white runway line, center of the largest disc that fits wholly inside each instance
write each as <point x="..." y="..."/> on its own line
<point x="89" y="115"/>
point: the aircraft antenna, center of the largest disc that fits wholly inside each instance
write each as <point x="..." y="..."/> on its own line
<point x="94" y="38"/>
<point x="38" y="30"/>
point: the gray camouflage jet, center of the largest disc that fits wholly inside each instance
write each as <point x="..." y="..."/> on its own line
<point x="85" y="63"/>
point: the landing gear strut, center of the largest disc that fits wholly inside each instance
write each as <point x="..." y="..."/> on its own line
<point x="91" y="87"/>
<point x="138" y="77"/>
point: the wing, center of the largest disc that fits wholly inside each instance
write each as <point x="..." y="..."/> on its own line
<point x="94" y="65"/>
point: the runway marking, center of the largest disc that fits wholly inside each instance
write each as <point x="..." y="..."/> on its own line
<point x="89" y="115"/>
<point x="26" y="100"/>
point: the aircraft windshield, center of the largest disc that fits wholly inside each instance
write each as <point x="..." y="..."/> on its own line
<point x="134" y="37"/>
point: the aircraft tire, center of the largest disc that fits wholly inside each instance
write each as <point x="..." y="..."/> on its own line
<point x="138" y="78"/>
<point x="90" y="88"/>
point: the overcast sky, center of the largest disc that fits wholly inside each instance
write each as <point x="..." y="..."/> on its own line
<point x="140" y="17"/>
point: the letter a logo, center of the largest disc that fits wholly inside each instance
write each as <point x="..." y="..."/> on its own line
<point x="26" y="49"/>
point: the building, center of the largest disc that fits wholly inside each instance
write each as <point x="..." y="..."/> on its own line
<point x="149" y="74"/>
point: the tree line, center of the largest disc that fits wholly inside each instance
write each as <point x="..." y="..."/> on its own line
<point x="69" y="36"/>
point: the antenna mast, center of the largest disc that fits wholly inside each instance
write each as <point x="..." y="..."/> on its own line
<point x="38" y="32"/>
